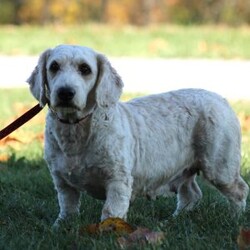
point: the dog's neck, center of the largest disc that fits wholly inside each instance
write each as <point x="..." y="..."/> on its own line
<point x="73" y="138"/>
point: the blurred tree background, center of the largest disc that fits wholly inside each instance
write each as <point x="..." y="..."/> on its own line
<point x="140" y="12"/>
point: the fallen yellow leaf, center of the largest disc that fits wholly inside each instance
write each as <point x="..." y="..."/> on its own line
<point x="109" y="225"/>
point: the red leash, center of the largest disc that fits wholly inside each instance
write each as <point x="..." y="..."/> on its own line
<point x="20" y="121"/>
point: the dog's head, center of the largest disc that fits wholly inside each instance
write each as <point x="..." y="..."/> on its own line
<point x="72" y="79"/>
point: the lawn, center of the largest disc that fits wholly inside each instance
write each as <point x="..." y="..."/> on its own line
<point x="28" y="202"/>
<point x="165" y="41"/>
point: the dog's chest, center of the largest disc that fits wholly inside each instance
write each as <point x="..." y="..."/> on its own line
<point x="83" y="177"/>
<point x="79" y="162"/>
<point x="71" y="140"/>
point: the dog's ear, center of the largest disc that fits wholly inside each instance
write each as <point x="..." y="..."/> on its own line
<point x="38" y="79"/>
<point x="109" y="84"/>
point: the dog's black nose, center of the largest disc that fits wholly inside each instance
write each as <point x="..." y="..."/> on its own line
<point x="66" y="94"/>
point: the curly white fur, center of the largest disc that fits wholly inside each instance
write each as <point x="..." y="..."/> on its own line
<point x="147" y="146"/>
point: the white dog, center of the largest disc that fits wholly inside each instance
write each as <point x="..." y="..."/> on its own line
<point x="147" y="146"/>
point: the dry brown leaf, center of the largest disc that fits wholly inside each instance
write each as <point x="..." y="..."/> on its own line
<point x="90" y="229"/>
<point x="18" y="138"/>
<point x="243" y="239"/>
<point x="4" y="157"/>
<point x="130" y="235"/>
<point x="40" y="137"/>
<point x="141" y="236"/>
<point x="244" y="121"/>
<point x="12" y="141"/>
<point x="8" y="140"/>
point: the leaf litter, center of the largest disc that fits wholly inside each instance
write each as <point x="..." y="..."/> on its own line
<point x="127" y="235"/>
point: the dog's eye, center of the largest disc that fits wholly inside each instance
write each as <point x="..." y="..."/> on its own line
<point x="54" y="67"/>
<point x="84" y="69"/>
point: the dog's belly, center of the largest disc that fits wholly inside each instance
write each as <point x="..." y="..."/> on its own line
<point x="150" y="189"/>
<point x="92" y="180"/>
<point x="96" y="191"/>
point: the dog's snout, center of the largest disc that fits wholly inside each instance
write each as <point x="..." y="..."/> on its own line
<point x="66" y="93"/>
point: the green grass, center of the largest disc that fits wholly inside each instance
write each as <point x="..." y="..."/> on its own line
<point x="28" y="204"/>
<point x="165" y="41"/>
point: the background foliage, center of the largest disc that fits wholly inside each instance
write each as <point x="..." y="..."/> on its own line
<point x="153" y="41"/>
<point x="141" y="12"/>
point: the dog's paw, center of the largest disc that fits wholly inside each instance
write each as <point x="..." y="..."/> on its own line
<point x="65" y="224"/>
<point x="58" y="225"/>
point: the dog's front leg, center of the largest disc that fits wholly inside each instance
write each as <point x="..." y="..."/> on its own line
<point x="118" y="194"/>
<point x="69" y="201"/>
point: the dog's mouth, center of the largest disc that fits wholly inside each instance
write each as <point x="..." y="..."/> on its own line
<point x="66" y="109"/>
<point x="66" y="106"/>
<point x="66" y="113"/>
<point x="71" y="114"/>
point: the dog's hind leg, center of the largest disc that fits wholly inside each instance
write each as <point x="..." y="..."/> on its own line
<point x="236" y="193"/>
<point x="188" y="194"/>
<point x="236" y="190"/>
<point x="223" y="171"/>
